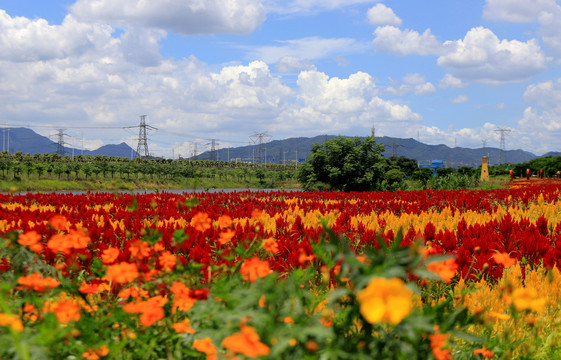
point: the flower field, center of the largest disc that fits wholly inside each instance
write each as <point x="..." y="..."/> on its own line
<point x="282" y="275"/>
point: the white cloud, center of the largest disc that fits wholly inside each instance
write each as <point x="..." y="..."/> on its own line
<point x="413" y="82"/>
<point x="180" y="16"/>
<point x="460" y="99"/>
<point x="517" y="10"/>
<point x="449" y="81"/>
<point x="406" y="42"/>
<point x="308" y="6"/>
<point x="288" y="64"/>
<point x="380" y="14"/>
<point x="311" y="48"/>
<point x="481" y="56"/>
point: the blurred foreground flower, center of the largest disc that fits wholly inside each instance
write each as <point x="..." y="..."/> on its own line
<point x="388" y="300"/>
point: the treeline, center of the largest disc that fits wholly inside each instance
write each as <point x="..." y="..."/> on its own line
<point x="80" y="167"/>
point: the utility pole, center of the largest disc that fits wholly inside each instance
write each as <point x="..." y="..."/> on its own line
<point x="502" y="132"/>
<point x="260" y="139"/>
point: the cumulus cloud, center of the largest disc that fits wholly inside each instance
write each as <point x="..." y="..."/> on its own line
<point x="310" y="48"/>
<point x="308" y="6"/>
<point x="517" y="10"/>
<point x="380" y="14"/>
<point x="288" y="64"/>
<point x="179" y="16"/>
<point x="22" y="39"/>
<point x="449" y="81"/>
<point x="481" y="56"/>
<point x="460" y="99"/>
<point x="406" y="42"/>
<point x="412" y="83"/>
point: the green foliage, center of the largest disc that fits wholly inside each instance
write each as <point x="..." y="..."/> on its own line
<point x="422" y="175"/>
<point x="344" y="164"/>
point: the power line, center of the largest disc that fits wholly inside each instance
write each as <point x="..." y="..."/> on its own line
<point x="260" y="139"/>
<point x="502" y="157"/>
<point x="142" y="137"/>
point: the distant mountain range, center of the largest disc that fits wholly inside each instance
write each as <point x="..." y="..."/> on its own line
<point x="286" y="151"/>
<point x="29" y="142"/>
<point x="290" y="150"/>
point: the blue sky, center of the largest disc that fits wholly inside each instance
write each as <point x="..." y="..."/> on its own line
<point x="441" y="71"/>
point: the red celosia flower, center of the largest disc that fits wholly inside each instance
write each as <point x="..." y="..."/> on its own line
<point x="201" y="222"/>
<point x="253" y="268"/>
<point x="246" y="343"/>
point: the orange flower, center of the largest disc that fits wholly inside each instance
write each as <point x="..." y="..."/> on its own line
<point x="388" y="300"/>
<point x="528" y="299"/>
<point x="303" y="258"/>
<point x="445" y="269"/>
<point x="270" y="245"/>
<point x="201" y="222"/>
<point x="484" y="352"/>
<point x="66" y="311"/>
<point x="31" y="239"/>
<point x="224" y="221"/>
<point x="262" y="302"/>
<point x="151" y="315"/>
<point x="437" y="342"/>
<point x="246" y="343"/>
<point x="78" y="238"/>
<point x="140" y="249"/>
<point x="95" y="354"/>
<point x="86" y="288"/>
<point x="59" y="243"/>
<point x="110" y="255"/>
<point x="183" y="326"/>
<point x="504" y="259"/>
<point x="59" y="222"/>
<point x="167" y="260"/>
<point x="206" y="346"/>
<point x="121" y="273"/>
<point x="254" y="268"/>
<point x="37" y="283"/>
<point x="226" y="236"/>
<point x="134" y="292"/>
<point x="12" y="321"/>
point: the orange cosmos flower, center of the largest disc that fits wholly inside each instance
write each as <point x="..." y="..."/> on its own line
<point x="96" y="354"/>
<point x="140" y="249"/>
<point x="254" y="268"/>
<point x="224" y="221"/>
<point x="108" y="256"/>
<point x="121" y="273"/>
<point x="528" y="299"/>
<point x="31" y="239"/>
<point x="78" y="238"/>
<point x="437" y="342"/>
<point x="167" y="260"/>
<point x="445" y="269"/>
<point x="37" y="283"/>
<point x="183" y="327"/>
<point x="504" y="259"/>
<point x="12" y="321"/>
<point x="151" y="315"/>
<point x="226" y="236"/>
<point x="59" y="243"/>
<point x="246" y="343"/>
<point x="386" y="300"/>
<point x="201" y="222"/>
<point x="270" y="245"/>
<point x="488" y="354"/>
<point x="134" y="292"/>
<point x="206" y="346"/>
<point x="59" y="222"/>
<point x="66" y="311"/>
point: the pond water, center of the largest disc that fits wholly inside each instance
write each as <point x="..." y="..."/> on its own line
<point x="153" y="191"/>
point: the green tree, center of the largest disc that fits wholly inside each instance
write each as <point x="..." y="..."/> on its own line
<point x="422" y="175"/>
<point x="345" y="164"/>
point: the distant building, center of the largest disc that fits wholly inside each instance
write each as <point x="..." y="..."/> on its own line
<point x="431" y="164"/>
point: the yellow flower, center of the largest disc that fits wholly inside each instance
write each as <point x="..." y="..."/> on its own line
<point x="386" y="300"/>
<point x="528" y="299"/>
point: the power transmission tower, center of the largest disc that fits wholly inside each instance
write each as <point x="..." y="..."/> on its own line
<point x="60" y="141"/>
<point x="503" y="132"/>
<point x="260" y="139"/>
<point x="394" y="148"/>
<point x="212" y="144"/>
<point x="142" y="137"/>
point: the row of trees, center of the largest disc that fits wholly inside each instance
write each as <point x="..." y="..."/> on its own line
<point x="40" y="166"/>
<point x="357" y="164"/>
